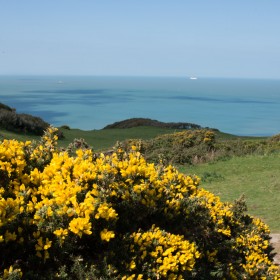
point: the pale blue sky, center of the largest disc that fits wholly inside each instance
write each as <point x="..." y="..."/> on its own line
<point x="209" y="38"/>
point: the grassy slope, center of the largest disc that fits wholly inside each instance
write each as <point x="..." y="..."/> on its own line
<point x="98" y="139"/>
<point x="21" y="137"/>
<point x="257" y="177"/>
<point x="107" y="138"/>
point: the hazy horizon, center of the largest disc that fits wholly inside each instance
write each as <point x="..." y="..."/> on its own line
<point x="132" y="76"/>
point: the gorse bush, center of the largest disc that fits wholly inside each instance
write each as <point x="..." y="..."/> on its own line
<point x="198" y="146"/>
<point x="188" y="146"/>
<point x="88" y="216"/>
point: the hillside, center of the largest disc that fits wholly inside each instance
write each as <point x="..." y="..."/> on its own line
<point x="135" y="122"/>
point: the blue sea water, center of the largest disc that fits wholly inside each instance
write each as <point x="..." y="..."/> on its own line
<point x="236" y="106"/>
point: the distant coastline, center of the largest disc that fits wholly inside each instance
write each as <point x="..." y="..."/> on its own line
<point x="238" y="106"/>
<point x="12" y="121"/>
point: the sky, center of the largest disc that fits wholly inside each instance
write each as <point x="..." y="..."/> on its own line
<point x="203" y="38"/>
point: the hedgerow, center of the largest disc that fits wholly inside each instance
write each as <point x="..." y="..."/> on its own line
<point x="198" y="146"/>
<point x="89" y="216"/>
<point x="185" y="147"/>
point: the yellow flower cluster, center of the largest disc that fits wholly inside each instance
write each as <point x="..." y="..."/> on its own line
<point x="188" y="138"/>
<point x="167" y="255"/>
<point x="80" y="226"/>
<point x="107" y="235"/>
<point x="255" y="258"/>
<point x="12" y="273"/>
<point x="220" y="212"/>
<point x="42" y="246"/>
<point x="251" y="246"/>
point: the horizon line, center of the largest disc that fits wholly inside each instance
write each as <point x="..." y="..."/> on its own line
<point x="139" y="76"/>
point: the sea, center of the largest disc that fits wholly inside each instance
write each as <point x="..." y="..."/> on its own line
<point x="244" y="107"/>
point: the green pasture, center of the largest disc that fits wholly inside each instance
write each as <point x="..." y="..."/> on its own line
<point x="98" y="139"/>
<point x="256" y="177"/>
<point x="107" y="138"/>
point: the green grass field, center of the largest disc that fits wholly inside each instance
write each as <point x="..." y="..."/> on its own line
<point x="98" y="139"/>
<point x="107" y="138"/>
<point x="257" y="177"/>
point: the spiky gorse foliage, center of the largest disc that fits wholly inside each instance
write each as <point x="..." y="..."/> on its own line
<point x="187" y="146"/>
<point x="191" y="147"/>
<point x="118" y="217"/>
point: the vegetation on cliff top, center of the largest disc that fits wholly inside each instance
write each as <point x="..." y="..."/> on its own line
<point x="10" y="120"/>
<point x="24" y="123"/>
<point x="135" y="122"/>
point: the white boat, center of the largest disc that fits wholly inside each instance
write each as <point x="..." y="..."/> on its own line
<point x="193" y="78"/>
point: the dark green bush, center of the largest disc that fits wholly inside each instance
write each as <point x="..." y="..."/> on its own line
<point x="65" y="127"/>
<point x="5" y="107"/>
<point x="25" y="123"/>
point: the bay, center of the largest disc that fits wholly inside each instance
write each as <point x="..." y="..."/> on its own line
<point x="237" y="106"/>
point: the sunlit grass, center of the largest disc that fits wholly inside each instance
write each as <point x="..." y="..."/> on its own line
<point x="107" y="138"/>
<point x="98" y="139"/>
<point x="256" y="177"/>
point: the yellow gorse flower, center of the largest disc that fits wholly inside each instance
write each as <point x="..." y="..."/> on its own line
<point x="106" y="235"/>
<point x="106" y="212"/>
<point x="80" y="226"/>
<point x="12" y="273"/>
<point x="168" y="253"/>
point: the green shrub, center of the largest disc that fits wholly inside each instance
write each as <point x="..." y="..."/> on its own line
<point x="5" y="107"/>
<point x="189" y="146"/>
<point x="25" y="123"/>
<point x="275" y="138"/>
<point x="66" y="127"/>
<point x="198" y="146"/>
